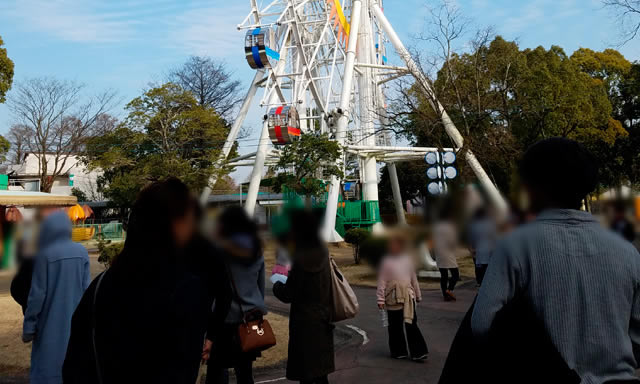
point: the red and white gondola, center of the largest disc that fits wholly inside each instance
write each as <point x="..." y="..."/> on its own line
<point x="284" y="125"/>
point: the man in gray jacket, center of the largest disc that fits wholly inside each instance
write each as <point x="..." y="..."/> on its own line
<point x="581" y="280"/>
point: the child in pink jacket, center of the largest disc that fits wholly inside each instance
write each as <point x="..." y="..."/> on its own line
<point x="398" y="292"/>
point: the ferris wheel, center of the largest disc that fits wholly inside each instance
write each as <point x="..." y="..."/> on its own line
<point x="322" y="65"/>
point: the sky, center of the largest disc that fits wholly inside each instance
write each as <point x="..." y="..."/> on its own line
<point x="126" y="44"/>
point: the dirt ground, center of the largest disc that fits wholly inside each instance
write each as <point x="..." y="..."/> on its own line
<point x="277" y="354"/>
<point x="14" y="354"/>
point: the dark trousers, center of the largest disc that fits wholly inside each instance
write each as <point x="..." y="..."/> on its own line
<point x="405" y="340"/>
<point x="217" y="374"/>
<point x="318" y="380"/>
<point x="480" y="272"/>
<point x="449" y="283"/>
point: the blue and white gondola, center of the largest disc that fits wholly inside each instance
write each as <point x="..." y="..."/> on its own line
<point x="258" y="48"/>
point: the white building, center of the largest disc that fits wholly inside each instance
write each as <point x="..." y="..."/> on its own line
<point x="26" y="176"/>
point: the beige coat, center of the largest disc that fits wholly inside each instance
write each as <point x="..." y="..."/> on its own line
<point x="399" y="295"/>
<point x="445" y="244"/>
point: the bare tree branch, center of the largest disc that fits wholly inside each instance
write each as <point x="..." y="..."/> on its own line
<point x="628" y="12"/>
<point x="54" y="120"/>
<point x="211" y="83"/>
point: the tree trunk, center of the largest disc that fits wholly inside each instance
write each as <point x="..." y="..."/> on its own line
<point x="46" y="183"/>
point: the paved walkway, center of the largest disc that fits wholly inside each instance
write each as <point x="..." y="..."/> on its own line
<point x="366" y="358"/>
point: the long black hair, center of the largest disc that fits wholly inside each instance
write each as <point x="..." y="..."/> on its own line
<point x="150" y="250"/>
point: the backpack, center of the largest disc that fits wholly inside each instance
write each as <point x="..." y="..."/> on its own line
<point x="345" y="302"/>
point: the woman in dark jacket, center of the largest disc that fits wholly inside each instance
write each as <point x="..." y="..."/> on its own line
<point x="143" y="320"/>
<point x="238" y="242"/>
<point x="308" y="289"/>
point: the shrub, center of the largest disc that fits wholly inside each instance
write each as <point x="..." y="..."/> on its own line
<point x="355" y="237"/>
<point x="108" y="251"/>
<point x="373" y="250"/>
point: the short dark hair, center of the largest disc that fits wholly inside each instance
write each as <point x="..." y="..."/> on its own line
<point x="562" y="169"/>
<point x="234" y="220"/>
<point x="305" y="228"/>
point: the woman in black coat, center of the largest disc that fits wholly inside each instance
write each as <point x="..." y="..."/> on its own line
<point x="308" y="289"/>
<point x="143" y="320"/>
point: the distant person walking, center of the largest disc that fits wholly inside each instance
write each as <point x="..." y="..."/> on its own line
<point x="445" y="240"/>
<point x="398" y="292"/>
<point x="60" y="277"/>
<point x="482" y="239"/>
<point x="621" y="224"/>
<point x="308" y="289"/>
<point x="238" y="241"/>
<point x="579" y="280"/>
<point x="143" y="320"/>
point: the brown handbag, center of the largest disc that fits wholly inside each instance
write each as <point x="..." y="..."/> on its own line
<point x="255" y="332"/>
<point x="256" y="336"/>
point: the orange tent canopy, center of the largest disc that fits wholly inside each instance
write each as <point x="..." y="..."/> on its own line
<point x="76" y="213"/>
<point x="88" y="212"/>
<point x="13" y="215"/>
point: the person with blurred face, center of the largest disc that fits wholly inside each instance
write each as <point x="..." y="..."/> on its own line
<point x="482" y="239"/>
<point x="580" y="281"/>
<point x="241" y="249"/>
<point x="621" y="224"/>
<point x="398" y="292"/>
<point x="21" y="283"/>
<point x="308" y="290"/>
<point x="60" y="277"/>
<point x="143" y="320"/>
<point x="445" y="244"/>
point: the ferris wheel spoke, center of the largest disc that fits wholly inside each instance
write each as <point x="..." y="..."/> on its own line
<point x="326" y="67"/>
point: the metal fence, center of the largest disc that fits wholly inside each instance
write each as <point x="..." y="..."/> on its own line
<point x="108" y="231"/>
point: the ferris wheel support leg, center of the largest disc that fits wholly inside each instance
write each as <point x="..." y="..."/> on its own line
<point x="263" y="146"/>
<point x="397" y="196"/>
<point x="256" y="172"/>
<point x="366" y="86"/>
<point x="486" y="183"/>
<point x="370" y="179"/>
<point x="329" y="231"/>
<point x="233" y="133"/>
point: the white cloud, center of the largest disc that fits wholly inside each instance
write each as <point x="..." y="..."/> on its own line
<point x="209" y="31"/>
<point x="68" y="20"/>
<point x="545" y="14"/>
<point x="479" y="4"/>
<point x="193" y="27"/>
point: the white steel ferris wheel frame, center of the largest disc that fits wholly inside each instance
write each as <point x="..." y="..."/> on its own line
<point x="333" y="72"/>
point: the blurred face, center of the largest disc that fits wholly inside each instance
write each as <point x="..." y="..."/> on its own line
<point x="184" y="228"/>
<point x="397" y="246"/>
<point x="45" y="212"/>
